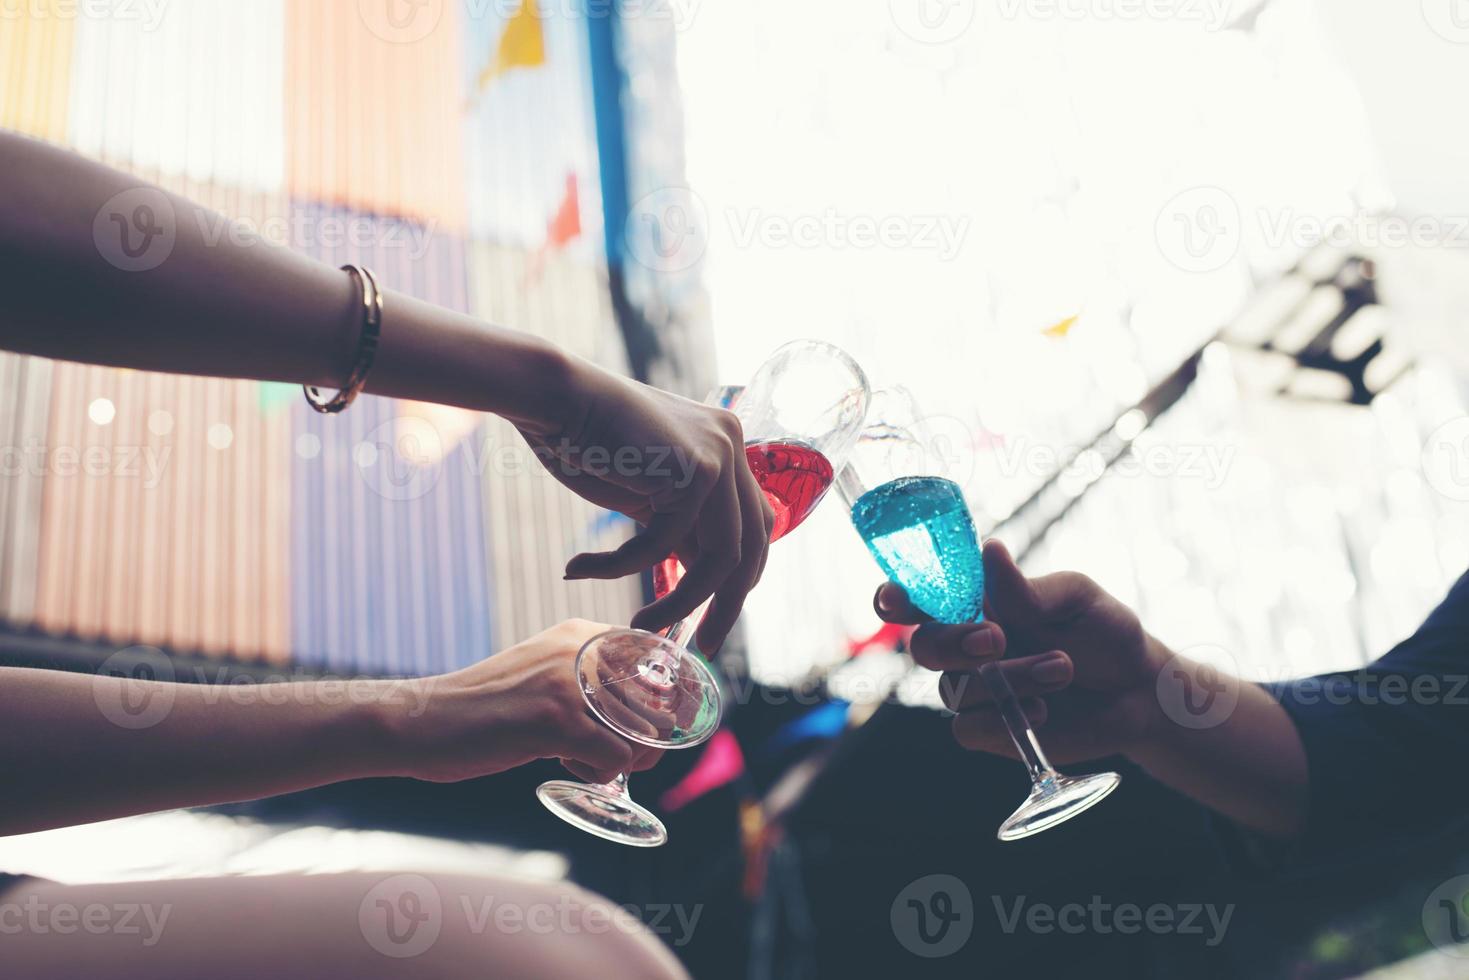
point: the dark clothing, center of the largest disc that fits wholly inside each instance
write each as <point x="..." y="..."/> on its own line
<point x="1385" y="745"/>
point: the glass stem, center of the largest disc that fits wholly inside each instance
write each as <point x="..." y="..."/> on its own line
<point x="682" y="632"/>
<point x="618" y="786"/>
<point x="1017" y="725"/>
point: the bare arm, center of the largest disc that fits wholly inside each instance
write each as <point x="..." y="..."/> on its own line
<point x="1251" y="766"/>
<point x="219" y="303"/>
<point x="225" y="305"/>
<point x="80" y="748"/>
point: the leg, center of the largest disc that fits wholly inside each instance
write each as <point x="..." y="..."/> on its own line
<point x="354" y="925"/>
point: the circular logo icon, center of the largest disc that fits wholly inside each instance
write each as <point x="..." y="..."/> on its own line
<point x="1200" y="229"/>
<point x="401" y="21"/>
<point x="145" y="695"/>
<point x="1446" y="459"/>
<point x="1448" y="18"/>
<point x="948" y="446"/>
<point x="933" y="916"/>
<point x="136" y="229"/>
<point x="401" y="459"/>
<point x="668" y="230"/>
<point x="401" y="916"/>
<point x="932" y="21"/>
<point x="1446" y="917"/>
<point x="1194" y="688"/>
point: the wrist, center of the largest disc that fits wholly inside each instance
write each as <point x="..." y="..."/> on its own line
<point x="1154" y="727"/>
<point x="385" y="724"/>
<point x="431" y="354"/>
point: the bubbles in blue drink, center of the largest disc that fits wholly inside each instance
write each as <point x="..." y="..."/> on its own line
<point x="919" y="530"/>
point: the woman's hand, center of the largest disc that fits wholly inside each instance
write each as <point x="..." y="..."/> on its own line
<point x="520" y="705"/>
<point x="679" y="469"/>
<point x="1079" y="660"/>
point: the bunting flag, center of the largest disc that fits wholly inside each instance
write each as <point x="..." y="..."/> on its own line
<point x="522" y="45"/>
<point x="1059" y="331"/>
<point x="821" y="723"/>
<point x="888" y="637"/>
<point x="721" y="764"/>
<point x="565" y="225"/>
<point x="563" y="229"/>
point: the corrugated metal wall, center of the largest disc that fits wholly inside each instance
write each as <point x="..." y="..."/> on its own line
<point x="223" y="516"/>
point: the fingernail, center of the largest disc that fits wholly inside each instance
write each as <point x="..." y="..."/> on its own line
<point x="980" y="643"/>
<point x="1052" y="670"/>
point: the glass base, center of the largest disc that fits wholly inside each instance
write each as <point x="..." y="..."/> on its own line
<point x="602" y="812"/>
<point x="1057" y="800"/>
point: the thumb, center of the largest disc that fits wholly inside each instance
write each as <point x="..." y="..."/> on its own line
<point x="1009" y="596"/>
<point x="1014" y="599"/>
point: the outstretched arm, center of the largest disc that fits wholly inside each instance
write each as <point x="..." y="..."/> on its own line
<point x="81" y="748"/>
<point x="219" y="302"/>
<point x="225" y="304"/>
<point x="1095" y="684"/>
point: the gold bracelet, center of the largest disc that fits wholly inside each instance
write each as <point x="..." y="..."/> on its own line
<point x="372" y="323"/>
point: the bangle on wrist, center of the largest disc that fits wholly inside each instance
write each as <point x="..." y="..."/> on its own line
<point x="372" y="321"/>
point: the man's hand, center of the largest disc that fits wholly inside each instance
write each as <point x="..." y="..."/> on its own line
<point x="1077" y="658"/>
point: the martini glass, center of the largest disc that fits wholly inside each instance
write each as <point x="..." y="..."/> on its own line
<point x="916" y="524"/>
<point x="801" y="413"/>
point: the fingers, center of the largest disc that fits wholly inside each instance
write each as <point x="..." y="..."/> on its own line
<point x="940" y="647"/>
<point x="584" y="773"/>
<point x="598" y="751"/>
<point x="647" y="548"/>
<point x="644" y="757"/>
<point x="892" y="605"/>
<point x="758" y="519"/>
<point x="983" y="730"/>
<point x="720" y="537"/>
<point x="1029" y="677"/>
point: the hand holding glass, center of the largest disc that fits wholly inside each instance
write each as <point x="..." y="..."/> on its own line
<point x="918" y="527"/>
<point x="801" y="414"/>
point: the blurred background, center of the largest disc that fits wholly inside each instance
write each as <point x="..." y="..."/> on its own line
<point x="1184" y="281"/>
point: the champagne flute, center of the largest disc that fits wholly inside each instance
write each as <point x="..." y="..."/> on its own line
<point x="801" y="414"/>
<point x="916" y="524"/>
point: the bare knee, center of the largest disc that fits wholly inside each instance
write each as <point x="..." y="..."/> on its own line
<point x="543" y="929"/>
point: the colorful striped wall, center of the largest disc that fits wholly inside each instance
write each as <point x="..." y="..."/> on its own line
<point x="223" y="517"/>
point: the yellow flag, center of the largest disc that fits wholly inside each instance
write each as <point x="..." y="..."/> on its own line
<point x="1060" y="330"/>
<point x="522" y="45"/>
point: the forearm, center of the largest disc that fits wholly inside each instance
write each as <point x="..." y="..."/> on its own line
<point x="1250" y="765"/>
<point x="80" y="748"/>
<point x="227" y="304"/>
